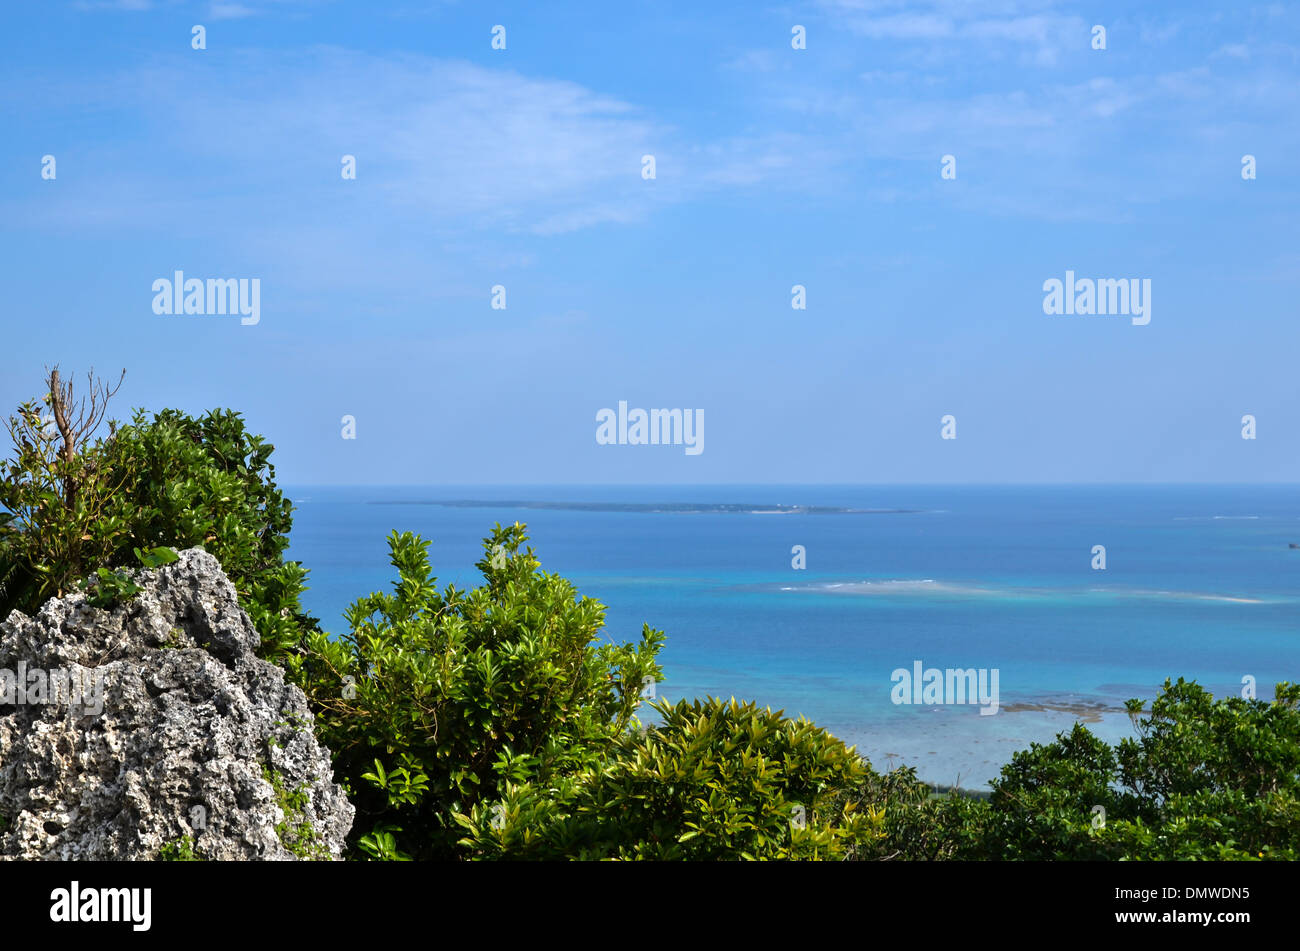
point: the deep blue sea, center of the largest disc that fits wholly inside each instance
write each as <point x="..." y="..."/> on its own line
<point x="1199" y="582"/>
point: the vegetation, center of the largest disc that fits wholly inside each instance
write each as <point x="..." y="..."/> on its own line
<point x="110" y="588"/>
<point x="496" y="723"/>
<point x="1203" y="779"/>
<point x="179" y="850"/>
<point x="717" y="780"/>
<point x="436" y="701"/>
<point x="72" y="508"/>
<point x="295" y="830"/>
<point x="54" y="529"/>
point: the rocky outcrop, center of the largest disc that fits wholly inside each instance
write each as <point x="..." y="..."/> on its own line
<point x="151" y="727"/>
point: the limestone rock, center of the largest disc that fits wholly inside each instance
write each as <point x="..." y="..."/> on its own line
<point x="157" y="723"/>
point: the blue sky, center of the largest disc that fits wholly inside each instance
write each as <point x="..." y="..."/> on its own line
<point x="774" y="167"/>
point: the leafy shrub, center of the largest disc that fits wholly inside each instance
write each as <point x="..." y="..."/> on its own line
<point x="179" y="850"/>
<point x="717" y="780"/>
<point x="207" y="482"/>
<point x="1204" y="779"/>
<point x="915" y="820"/>
<point x="435" y="701"/>
<point x="74" y="509"/>
<point x="110" y="588"/>
<point x="53" y="529"/>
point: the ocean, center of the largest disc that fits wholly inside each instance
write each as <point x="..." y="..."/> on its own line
<point x="1199" y="582"/>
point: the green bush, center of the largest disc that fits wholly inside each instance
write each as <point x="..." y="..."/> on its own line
<point x="207" y="482"/>
<point x="71" y="510"/>
<point x="1203" y="779"/>
<point x="179" y="850"/>
<point x="435" y="701"/>
<point x="716" y="780"/>
<point x="53" y="491"/>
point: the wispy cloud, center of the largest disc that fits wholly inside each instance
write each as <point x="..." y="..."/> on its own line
<point x="459" y="168"/>
<point x="230" y="11"/>
<point x="123" y="5"/>
<point x="1035" y="28"/>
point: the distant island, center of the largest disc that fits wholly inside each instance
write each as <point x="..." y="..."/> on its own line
<point x="680" y="508"/>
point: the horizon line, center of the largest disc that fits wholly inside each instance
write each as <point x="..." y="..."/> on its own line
<point x="760" y="485"/>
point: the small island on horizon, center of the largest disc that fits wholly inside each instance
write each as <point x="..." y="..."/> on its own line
<point x="678" y="508"/>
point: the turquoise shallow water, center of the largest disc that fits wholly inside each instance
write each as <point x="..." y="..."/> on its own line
<point x="1199" y="582"/>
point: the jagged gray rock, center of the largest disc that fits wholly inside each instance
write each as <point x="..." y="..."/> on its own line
<point x="191" y="735"/>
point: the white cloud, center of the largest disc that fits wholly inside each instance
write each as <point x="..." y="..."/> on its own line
<point x="230" y="11"/>
<point x="125" y="5"/>
<point x="904" y="26"/>
<point x="1232" y="51"/>
<point x="1035" y="27"/>
<point x="458" y="167"/>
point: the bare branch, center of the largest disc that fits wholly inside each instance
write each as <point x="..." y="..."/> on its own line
<point x="77" y="421"/>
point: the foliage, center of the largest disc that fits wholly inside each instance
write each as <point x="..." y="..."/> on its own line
<point x="717" y="780"/>
<point x="166" y="481"/>
<point x="179" y="850"/>
<point x="54" y="527"/>
<point x="435" y="701"/>
<point x="916" y="821"/>
<point x="206" y="481"/>
<point x="111" y="588"/>
<point x="1203" y="779"/>
<point x="294" y="830"/>
<point x="380" y="844"/>
<point x="157" y="558"/>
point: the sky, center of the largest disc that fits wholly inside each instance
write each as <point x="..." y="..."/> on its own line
<point x="774" y="166"/>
